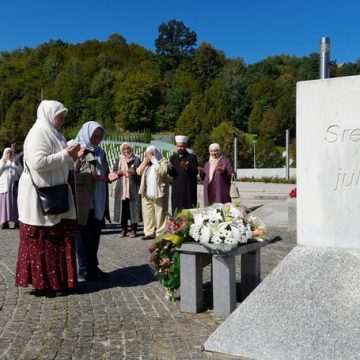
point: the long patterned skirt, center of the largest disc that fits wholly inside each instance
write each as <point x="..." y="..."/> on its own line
<point x="46" y="257"/>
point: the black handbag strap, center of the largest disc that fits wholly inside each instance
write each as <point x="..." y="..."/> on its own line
<point x="32" y="180"/>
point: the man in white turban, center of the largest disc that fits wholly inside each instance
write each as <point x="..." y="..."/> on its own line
<point x="183" y="169"/>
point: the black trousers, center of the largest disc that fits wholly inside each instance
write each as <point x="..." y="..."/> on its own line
<point x="90" y="239"/>
<point x="125" y="215"/>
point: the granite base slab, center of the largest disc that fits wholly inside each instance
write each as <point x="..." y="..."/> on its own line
<point x="307" y="308"/>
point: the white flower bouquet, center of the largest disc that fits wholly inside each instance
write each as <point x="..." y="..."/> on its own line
<point x="225" y="224"/>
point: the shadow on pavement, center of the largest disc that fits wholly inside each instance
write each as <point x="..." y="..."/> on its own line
<point x="123" y="277"/>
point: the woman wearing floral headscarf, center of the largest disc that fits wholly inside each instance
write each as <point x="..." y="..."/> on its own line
<point x="92" y="177"/>
<point x="46" y="258"/>
<point x="217" y="177"/>
<point x="127" y="204"/>
<point x="154" y="189"/>
<point x="10" y="171"/>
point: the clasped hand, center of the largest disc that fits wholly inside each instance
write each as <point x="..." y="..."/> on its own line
<point x="110" y="178"/>
<point x="184" y="164"/>
<point x="221" y="169"/>
<point x="74" y="151"/>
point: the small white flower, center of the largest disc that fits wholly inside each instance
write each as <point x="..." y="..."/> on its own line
<point x="235" y="213"/>
<point x="216" y="239"/>
<point x="235" y="233"/>
<point x="215" y="216"/>
<point x="195" y="231"/>
<point x="229" y="240"/>
<point x="205" y="235"/>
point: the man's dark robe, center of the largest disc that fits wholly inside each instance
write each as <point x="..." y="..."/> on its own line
<point x="184" y="185"/>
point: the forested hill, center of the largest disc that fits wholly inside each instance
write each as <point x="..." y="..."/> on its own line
<point x="191" y="87"/>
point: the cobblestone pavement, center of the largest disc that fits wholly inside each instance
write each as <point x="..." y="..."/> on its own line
<point x="125" y="317"/>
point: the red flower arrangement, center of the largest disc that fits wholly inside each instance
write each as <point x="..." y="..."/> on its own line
<point x="292" y="193"/>
<point x="164" y="254"/>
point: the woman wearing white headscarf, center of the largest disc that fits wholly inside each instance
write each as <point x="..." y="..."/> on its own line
<point x="10" y="171"/>
<point x="92" y="178"/>
<point x="217" y="177"/>
<point x="46" y="258"/>
<point x="154" y="189"/>
<point x="127" y="200"/>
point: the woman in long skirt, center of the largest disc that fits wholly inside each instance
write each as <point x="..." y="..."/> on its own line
<point x="46" y="258"/>
<point x="216" y="175"/>
<point x="10" y="171"/>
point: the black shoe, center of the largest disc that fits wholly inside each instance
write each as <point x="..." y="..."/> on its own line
<point x="102" y="274"/>
<point x="49" y="293"/>
<point x="148" y="237"/>
<point x="96" y="275"/>
<point x="60" y="293"/>
<point x="91" y="276"/>
<point x="5" y="226"/>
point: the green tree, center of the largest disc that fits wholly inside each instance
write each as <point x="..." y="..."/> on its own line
<point x="71" y="88"/>
<point x="347" y="69"/>
<point x="207" y="63"/>
<point x="19" y="119"/>
<point x="191" y="119"/>
<point x="238" y="101"/>
<point x="224" y="134"/>
<point x="278" y="119"/>
<point x="267" y="154"/>
<point x="183" y="86"/>
<point x="179" y="89"/>
<point x="256" y="116"/>
<point x="174" y="42"/>
<point x="201" y="147"/>
<point x="215" y="105"/>
<point x="136" y="100"/>
<point x="307" y="67"/>
<point x="117" y="38"/>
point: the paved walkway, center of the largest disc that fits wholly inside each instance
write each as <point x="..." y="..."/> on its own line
<point x="125" y="317"/>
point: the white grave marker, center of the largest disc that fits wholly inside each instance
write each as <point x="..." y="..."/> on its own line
<point x="308" y="306"/>
<point x="328" y="162"/>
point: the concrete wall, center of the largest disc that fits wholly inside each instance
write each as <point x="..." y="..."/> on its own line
<point x="259" y="173"/>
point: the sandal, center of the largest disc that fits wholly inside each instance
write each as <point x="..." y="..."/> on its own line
<point x="122" y="234"/>
<point x="133" y="234"/>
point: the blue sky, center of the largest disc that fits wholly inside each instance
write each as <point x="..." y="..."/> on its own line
<point x="249" y="29"/>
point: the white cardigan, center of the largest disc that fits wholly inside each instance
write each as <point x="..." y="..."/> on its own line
<point x="49" y="164"/>
<point x="5" y="180"/>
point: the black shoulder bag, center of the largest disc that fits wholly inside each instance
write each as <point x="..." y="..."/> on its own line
<point x="53" y="199"/>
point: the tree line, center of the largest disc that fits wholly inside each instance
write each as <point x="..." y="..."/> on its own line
<point x="181" y="87"/>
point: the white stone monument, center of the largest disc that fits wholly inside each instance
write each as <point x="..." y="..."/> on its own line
<point x="309" y="306"/>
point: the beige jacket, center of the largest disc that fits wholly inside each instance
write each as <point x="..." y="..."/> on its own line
<point x="161" y="179"/>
